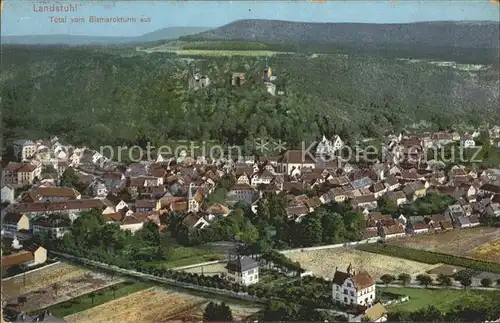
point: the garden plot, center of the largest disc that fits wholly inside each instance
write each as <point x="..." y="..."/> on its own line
<point x="209" y="270"/>
<point x="486" y="252"/>
<point x="40" y="279"/>
<point x="455" y="242"/>
<point x="151" y="305"/>
<point x="323" y="262"/>
<point x="61" y="290"/>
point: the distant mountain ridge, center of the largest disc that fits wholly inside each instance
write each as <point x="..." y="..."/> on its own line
<point x="474" y="42"/>
<point x="77" y="40"/>
<point x="464" y="34"/>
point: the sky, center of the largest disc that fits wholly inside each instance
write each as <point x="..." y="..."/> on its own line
<point x="20" y="18"/>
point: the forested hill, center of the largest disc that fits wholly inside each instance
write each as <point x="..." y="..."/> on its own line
<point x="110" y="97"/>
<point x="445" y="40"/>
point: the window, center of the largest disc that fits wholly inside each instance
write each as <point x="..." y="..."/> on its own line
<point x="366" y="300"/>
<point x="345" y="291"/>
<point x="371" y="296"/>
<point x="349" y="285"/>
<point x="250" y="272"/>
<point x="352" y="293"/>
<point x="338" y="287"/>
<point x="345" y="299"/>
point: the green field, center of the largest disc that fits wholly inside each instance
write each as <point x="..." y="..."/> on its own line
<point x="441" y="298"/>
<point x="185" y="256"/>
<point x="96" y="298"/>
<point x="205" y="52"/>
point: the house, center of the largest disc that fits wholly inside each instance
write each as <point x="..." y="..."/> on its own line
<point x="376" y="313"/>
<point x="378" y="189"/>
<point x="454" y="212"/>
<point x="442" y="138"/>
<point x="133" y="222"/>
<point x="294" y="161"/>
<point x="263" y="177"/>
<point x="489" y="189"/>
<point x="415" y="190"/>
<point x="365" y="201"/>
<point x="24" y="149"/>
<point x="339" y="194"/>
<point x="57" y="227"/>
<point x="350" y="287"/>
<point x="474" y="220"/>
<point x="393" y="231"/>
<point x="147" y="205"/>
<point x="296" y="212"/>
<point x="7" y="194"/>
<point x="417" y="225"/>
<point x="70" y="207"/>
<point x="467" y="142"/>
<point x="20" y="173"/>
<point x="243" y="270"/>
<point x="32" y="256"/>
<point x="398" y="197"/>
<point x="50" y="194"/>
<point x="462" y="222"/>
<point x="242" y="193"/>
<point x="195" y="221"/>
<point x="493" y="209"/>
<point x="14" y="222"/>
<point x="218" y="209"/>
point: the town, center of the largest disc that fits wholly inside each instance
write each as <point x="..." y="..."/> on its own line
<point x="48" y="187"/>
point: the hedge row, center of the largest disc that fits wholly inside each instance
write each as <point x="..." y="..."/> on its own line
<point x="430" y="257"/>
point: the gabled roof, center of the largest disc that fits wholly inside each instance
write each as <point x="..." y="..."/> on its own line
<point x="361" y="279"/>
<point x="242" y="264"/>
<point x="16" y="259"/>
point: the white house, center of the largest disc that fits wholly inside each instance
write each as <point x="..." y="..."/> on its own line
<point x="353" y="287"/>
<point x="467" y="142"/>
<point x="243" y="270"/>
<point x="24" y="149"/>
<point x="7" y="194"/>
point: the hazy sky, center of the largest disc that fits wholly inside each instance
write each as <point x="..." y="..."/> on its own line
<point x="19" y="17"/>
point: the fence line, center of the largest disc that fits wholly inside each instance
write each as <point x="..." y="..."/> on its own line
<point x="239" y="295"/>
<point x="31" y="271"/>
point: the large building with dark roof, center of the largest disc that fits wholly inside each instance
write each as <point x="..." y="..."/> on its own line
<point x="243" y="270"/>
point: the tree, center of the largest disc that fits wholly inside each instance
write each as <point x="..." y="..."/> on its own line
<point x="70" y="179"/>
<point x="387" y="279"/>
<point x="465" y="282"/>
<point x="92" y="297"/>
<point x="333" y="228"/>
<point x="404" y="278"/>
<point x="486" y="282"/>
<point x="444" y="280"/>
<point x="217" y="312"/>
<point x="114" y="288"/>
<point x="425" y="280"/>
<point x="310" y="231"/>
